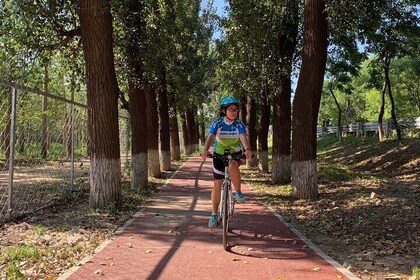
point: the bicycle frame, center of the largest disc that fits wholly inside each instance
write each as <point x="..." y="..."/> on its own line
<point x="226" y="204"/>
<point x="227" y="201"/>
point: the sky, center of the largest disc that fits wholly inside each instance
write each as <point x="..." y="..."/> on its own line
<point x="219" y="6"/>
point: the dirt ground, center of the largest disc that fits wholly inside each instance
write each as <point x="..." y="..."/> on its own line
<point x="366" y="217"/>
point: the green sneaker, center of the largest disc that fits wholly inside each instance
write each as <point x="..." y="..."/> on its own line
<point x="240" y="197"/>
<point x="213" y="221"/>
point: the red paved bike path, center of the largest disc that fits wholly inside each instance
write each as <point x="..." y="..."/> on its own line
<point x="169" y="239"/>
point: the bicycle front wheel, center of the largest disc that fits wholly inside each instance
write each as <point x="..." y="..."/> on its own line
<point x="225" y="213"/>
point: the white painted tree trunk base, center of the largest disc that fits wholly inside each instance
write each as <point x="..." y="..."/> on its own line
<point x="188" y="149"/>
<point x="281" y="172"/>
<point x="304" y="179"/>
<point x="175" y="152"/>
<point x="165" y="160"/>
<point x="153" y="163"/>
<point x="105" y="183"/>
<point x="139" y="171"/>
<point x="263" y="161"/>
<point x="253" y="162"/>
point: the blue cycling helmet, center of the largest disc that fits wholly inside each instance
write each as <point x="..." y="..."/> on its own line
<point x="225" y="102"/>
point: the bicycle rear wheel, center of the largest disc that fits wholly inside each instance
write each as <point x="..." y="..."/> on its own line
<point x="225" y="213"/>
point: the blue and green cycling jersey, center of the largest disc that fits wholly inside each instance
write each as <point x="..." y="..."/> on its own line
<point x="227" y="135"/>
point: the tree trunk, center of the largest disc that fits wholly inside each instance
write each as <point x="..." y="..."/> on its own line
<point x="137" y="103"/>
<point x="152" y="133"/>
<point x="340" y="138"/>
<point x="391" y="98"/>
<point x="21" y="137"/>
<point x="251" y="117"/>
<point x="307" y="100"/>
<point x="285" y="50"/>
<point x="281" y="170"/>
<point x="264" y="126"/>
<point x="242" y="109"/>
<point x="102" y="101"/>
<point x="174" y="130"/>
<point x="197" y="135"/>
<point x="381" y="112"/>
<point x="164" y="132"/>
<point x="190" y="131"/>
<point x="202" y="133"/>
<point x="185" y="135"/>
<point x="44" y="124"/>
<point x="138" y="115"/>
<point x="196" y="127"/>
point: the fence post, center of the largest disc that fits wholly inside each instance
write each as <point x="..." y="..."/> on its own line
<point x="72" y="142"/>
<point x="12" y="155"/>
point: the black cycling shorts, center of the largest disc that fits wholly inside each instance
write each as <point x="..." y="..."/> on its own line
<point x="219" y="167"/>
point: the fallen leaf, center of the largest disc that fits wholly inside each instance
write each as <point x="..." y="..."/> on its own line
<point x="317" y="269"/>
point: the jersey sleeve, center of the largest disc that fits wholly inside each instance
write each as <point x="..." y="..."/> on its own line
<point x="213" y="127"/>
<point x="241" y="127"/>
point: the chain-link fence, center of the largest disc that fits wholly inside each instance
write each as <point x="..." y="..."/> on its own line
<point x="43" y="149"/>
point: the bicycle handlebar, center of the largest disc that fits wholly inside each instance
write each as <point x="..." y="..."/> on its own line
<point x="228" y="156"/>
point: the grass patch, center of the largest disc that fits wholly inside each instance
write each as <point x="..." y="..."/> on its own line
<point x="271" y="194"/>
<point x="13" y="272"/>
<point x="13" y="255"/>
<point x="416" y="271"/>
<point x="20" y="252"/>
<point x="335" y="172"/>
<point x="326" y="142"/>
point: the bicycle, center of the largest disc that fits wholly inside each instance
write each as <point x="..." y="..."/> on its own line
<point x="227" y="200"/>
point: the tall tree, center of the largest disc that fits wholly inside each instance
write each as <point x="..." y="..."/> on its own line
<point x="264" y="128"/>
<point x="174" y="130"/>
<point x="284" y="52"/>
<point x="152" y="133"/>
<point x="102" y="99"/>
<point x="397" y="34"/>
<point x="164" y="131"/>
<point x="307" y="100"/>
<point x="133" y="18"/>
<point x="251" y="124"/>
